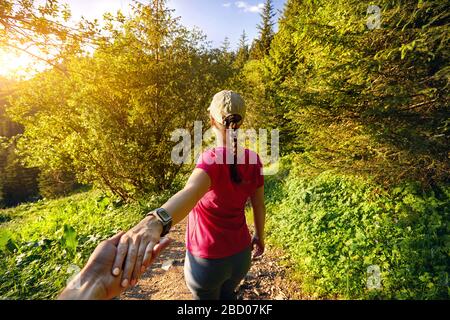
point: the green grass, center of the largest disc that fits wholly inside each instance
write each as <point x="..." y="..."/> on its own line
<point x="41" y="244"/>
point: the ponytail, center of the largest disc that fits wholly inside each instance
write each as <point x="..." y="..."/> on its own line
<point x="231" y="122"/>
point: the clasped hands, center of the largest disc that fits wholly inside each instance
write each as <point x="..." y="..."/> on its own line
<point x="117" y="263"/>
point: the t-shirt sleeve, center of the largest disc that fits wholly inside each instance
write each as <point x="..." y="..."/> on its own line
<point x="206" y="163"/>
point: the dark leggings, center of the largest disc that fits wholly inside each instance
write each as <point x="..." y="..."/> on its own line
<point x="213" y="279"/>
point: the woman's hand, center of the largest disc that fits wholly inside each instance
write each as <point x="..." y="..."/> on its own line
<point x="259" y="217"/>
<point x="135" y="248"/>
<point x="259" y="244"/>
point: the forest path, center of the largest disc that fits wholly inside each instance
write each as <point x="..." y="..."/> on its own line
<point x="266" y="279"/>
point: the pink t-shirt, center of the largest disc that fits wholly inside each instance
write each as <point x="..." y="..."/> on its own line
<point x="217" y="226"/>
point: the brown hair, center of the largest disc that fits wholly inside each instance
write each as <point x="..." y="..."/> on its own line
<point x="232" y="122"/>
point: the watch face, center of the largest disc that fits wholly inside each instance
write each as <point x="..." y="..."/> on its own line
<point x="164" y="215"/>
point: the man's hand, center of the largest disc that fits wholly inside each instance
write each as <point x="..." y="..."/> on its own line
<point x="136" y="251"/>
<point x="95" y="280"/>
<point x="259" y="244"/>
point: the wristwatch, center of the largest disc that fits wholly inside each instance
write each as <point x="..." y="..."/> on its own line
<point x="165" y="218"/>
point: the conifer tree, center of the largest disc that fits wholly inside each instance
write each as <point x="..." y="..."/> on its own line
<point x="242" y="54"/>
<point x="261" y="46"/>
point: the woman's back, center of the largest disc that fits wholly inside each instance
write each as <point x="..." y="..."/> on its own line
<point x="217" y="227"/>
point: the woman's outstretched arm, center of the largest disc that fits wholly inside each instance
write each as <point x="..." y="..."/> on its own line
<point x="259" y="217"/>
<point x="135" y="248"/>
<point x="182" y="203"/>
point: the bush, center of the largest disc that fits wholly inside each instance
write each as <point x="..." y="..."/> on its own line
<point x="338" y="228"/>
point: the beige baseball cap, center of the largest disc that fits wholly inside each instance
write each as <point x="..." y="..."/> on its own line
<point x="225" y="103"/>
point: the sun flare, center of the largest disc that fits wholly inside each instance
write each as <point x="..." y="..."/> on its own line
<point x="16" y="64"/>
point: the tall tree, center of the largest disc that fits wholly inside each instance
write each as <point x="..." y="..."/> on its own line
<point x="225" y="46"/>
<point x="112" y="118"/>
<point x="261" y="46"/>
<point x="227" y="56"/>
<point x="242" y="54"/>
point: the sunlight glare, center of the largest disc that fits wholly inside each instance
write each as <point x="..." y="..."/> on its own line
<point x="14" y="64"/>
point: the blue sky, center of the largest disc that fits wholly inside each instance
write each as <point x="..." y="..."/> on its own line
<point x="216" y="18"/>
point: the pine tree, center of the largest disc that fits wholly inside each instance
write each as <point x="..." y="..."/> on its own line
<point x="227" y="55"/>
<point x="225" y="47"/>
<point x="243" y="42"/>
<point x="261" y="46"/>
<point x="242" y="54"/>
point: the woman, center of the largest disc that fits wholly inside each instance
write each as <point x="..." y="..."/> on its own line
<point x="218" y="241"/>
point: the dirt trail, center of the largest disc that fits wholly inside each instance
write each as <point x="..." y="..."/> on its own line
<point x="265" y="280"/>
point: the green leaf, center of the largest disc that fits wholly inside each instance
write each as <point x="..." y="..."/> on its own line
<point x="69" y="239"/>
